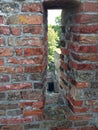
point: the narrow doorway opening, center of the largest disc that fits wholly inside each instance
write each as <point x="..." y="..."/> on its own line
<point x="54" y="37"/>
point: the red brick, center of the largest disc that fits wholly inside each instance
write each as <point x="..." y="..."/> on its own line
<point x="86" y="18"/>
<point x="65" y="65"/>
<point x="21" y="61"/>
<point x="83" y="49"/>
<point x="15" y="120"/>
<point x="37" y="104"/>
<point x="1" y="62"/>
<point x="15" y="31"/>
<point x="11" y="127"/>
<point x="83" y="39"/>
<point x="85" y="29"/>
<point x="91" y="102"/>
<point x="33" y="51"/>
<point x="89" y="128"/>
<point x="4" y="78"/>
<point x="33" y="69"/>
<point x="1" y="19"/>
<point x="4" y="30"/>
<point x="18" y="51"/>
<point x="89" y="7"/>
<point x="29" y="41"/>
<point x="81" y="66"/>
<point x="80" y="117"/>
<point x="20" y="69"/>
<point x="80" y="110"/>
<point x="33" y="29"/>
<point x="2" y="41"/>
<point x="7" y="69"/>
<point x="95" y="110"/>
<point x="32" y="112"/>
<point x="65" y="51"/>
<point x="80" y="84"/>
<point x="91" y="57"/>
<point x="78" y="103"/>
<point x="6" y="52"/>
<point x="16" y="86"/>
<point x="32" y="7"/>
<point x="25" y="19"/>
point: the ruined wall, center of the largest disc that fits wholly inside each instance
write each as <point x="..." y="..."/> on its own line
<point x="22" y="62"/>
<point x="79" y="63"/>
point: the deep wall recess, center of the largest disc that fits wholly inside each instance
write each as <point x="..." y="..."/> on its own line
<point x="23" y="62"/>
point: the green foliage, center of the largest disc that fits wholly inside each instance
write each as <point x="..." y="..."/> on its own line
<point x="54" y="33"/>
<point x="52" y="43"/>
<point x="58" y="20"/>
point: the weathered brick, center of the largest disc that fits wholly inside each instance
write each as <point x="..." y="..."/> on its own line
<point x="77" y="109"/>
<point x="1" y="19"/>
<point x="81" y="123"/>
<point x="2" y="96"/>
<point x="36" y="76"/>
<point x="25" y="19"/>
<point x="33" y="29"/>
<point x="33" y="51"/>
<point x="32" y="7"/>
<point x="16" y="31"/>
<point x="65" y="51"/>
<point x="27" y="41"/>
<point x="85" y="29"/>
<point x="88" y="7"/>
<point x="7" y="69"/>
<point x="38" y="85"/>
<point x="81" y="66"/>
<point x="9" y="7"/>
<point x="12" y="96"/>
<point x="91" y="58"/>
<point x="18" y="51"/>
<point x="15" y="86"/>
<point x="18" y="77"/>
<point x="2" y="41"/>
<point x="85" y="39"/>
<point x="83" y="49"/>
<point x="89" y="128"/>
<point x="80" y="84"/>
<point x="6" y="52"/>
<point x="35" y="60"/>
<point x="11" y="127"/>
<point x="4" y="30"/>
<point x="80" y="117"/>
<point x="38" y="104"/>
<point x="32" y="126"/>
<point x="4" y="78"/>
<point x="10" y="106"/>
<point x="20" y="69"/>
<point x="32" y="112"/>
<point x="65" y="65"/>
<point x="86" y="18"/>
<point x="1" y="62"/>
<point x="78" y="103"/>
<point x="14" y="112"/>
<point x="33" y="69"/>
<point x="31" y="95"/>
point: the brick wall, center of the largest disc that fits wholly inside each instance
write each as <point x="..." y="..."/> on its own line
<point x="79" y="63"/>
<point x="22" y="62"/>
